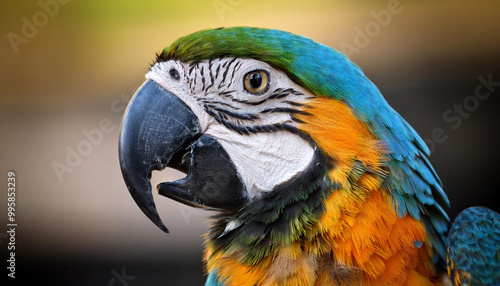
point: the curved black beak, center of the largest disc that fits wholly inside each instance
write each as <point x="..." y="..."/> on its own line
<point x="160" y="130"/>
<point x="156" y="125"/>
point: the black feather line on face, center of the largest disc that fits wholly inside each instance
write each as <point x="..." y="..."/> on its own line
<point x="293" y="103"/>
<point x="214" y="103"/>
<point x="202" y="73"/>
<point x="246" y="116"/>
<point x="279" y="218"/>
<point x="249" y="102"/>
<point x="191" y="68"/>
<point x="212" y="79"/>
<point x="227" y="93"/>
<point x="223" y="81"/>
<point x="285" y="110"/>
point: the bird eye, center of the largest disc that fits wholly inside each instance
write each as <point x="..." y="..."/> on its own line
<point x="256" y="82"/>
<point x="174" y="74"/>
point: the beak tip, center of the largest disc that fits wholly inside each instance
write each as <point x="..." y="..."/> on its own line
<point x="163" y="227"/>
<point x="153" y="215"/>
<point x="149" y="209"/>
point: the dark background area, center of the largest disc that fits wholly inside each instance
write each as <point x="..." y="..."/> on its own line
<point x="79" y="66"/>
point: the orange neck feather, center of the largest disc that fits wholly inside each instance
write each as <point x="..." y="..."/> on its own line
<point x="359" y="239"/>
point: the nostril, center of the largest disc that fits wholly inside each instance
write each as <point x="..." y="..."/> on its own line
<point x="174" y="74"/>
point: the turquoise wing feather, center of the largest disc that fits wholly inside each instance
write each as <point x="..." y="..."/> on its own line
<point x="473" y="254"/>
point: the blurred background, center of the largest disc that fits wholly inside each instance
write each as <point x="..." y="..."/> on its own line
<point x="68" y="68"/>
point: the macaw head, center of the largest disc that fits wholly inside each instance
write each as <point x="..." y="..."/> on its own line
<point x="267" y="125"/>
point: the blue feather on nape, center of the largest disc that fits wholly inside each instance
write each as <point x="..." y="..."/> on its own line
<point x="473" y="248"/>
<point x="212" y="280"/>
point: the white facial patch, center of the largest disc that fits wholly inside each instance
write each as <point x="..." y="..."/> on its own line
<point x="264" y="160"/>
<point x="250" y="126"/>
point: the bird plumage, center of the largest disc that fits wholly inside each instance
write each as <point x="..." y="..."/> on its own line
<point x="374" y="150"/>
<point x="473" y="248"/>
<point x="336" y="185"/>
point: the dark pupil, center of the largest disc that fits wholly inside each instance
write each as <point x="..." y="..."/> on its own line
<point x="174" y="74"/>
<point x="255" y="80"/>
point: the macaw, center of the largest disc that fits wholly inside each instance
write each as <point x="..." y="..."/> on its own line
<point x="314" y="178"/>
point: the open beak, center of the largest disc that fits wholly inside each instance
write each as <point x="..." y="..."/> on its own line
<point x="160" y="130"/>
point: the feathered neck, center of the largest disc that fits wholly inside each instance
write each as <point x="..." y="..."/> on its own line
<point x="280" y="218"/>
